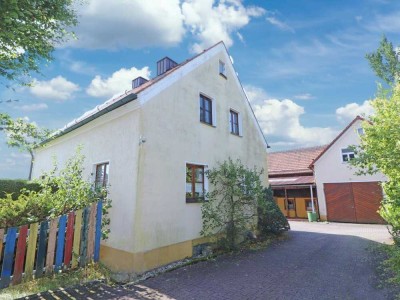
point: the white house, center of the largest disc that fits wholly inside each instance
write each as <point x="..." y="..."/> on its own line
<point x="152" y="145"/>
<point x="342" y="195"/>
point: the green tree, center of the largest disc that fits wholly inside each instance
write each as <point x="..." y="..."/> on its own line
<point x="385" y="62"/>
<point x="231" y="207"/>
<point x="380" y="150"/>
<point x="23" y="135"/>
<point x="29" y="31"/>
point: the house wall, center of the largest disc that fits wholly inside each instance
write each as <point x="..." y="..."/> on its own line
<point x="329" y="168"/>
<point x="175" y="136"/>
<point x="111" y="138"/>
<point x="151" y="223"/>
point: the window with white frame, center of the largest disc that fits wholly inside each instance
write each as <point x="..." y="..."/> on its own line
<point x="101" y="179"/>
<point x="235" y="123"/>
<point x="222" y="69"/>
<point x="360" y="131"/>
<point x="207" y="111"/>
<point x="347" y="154"/>
<point x="195" y="183"/>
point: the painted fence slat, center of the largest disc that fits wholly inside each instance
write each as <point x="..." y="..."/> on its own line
<point x="68" y="240"/>
<point x="91" y="232"/>
<point x="1" y="242"/>
<point x="8" y="257"/>
<point x="20" y="255"/>
<point x="30" y="254"/>
<point x="41" y="251"/>
<point x="60" y="242"/>
<point x="85" y="221"/>
<point x="77" y="238"/>
<point x="51" y="246"/>
<point x="98" y="231"/>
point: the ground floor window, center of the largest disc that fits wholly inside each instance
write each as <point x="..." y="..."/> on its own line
<point x="291" y="204"/>
<point x="194" y="183"/>
<point x="101" y="180"/>
<point x="309" y="205"/>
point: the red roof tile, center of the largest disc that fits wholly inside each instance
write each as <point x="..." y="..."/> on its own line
<point x="295" y="161"/>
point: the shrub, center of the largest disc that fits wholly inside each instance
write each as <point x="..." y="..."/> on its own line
<point x="270" y="217"/>
<point x="231" y="206"/>
<point x="14" y="187"/>
<point x="58" y="194"/>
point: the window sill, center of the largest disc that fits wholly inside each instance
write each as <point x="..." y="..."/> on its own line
<point x="223" y="75"/>
<point x="195" y="200"/>
<point x="238" y="135"/>
<point x="208" y="124"/>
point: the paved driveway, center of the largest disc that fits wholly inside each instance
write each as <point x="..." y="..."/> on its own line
<point x="318" y="261"/>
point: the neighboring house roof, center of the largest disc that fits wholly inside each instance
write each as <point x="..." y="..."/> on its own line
<point x="358" y="118"/>
<point x="293" y="180"/>
<point x="295" y="161"/>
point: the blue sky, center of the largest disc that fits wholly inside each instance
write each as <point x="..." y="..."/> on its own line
<point x="301" y="62"/>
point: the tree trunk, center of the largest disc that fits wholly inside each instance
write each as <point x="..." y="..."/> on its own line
<point x="31" y="167"/>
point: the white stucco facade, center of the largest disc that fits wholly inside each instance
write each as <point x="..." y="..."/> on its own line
<point x="330" y="168"/>
<point x="148" y="180"/>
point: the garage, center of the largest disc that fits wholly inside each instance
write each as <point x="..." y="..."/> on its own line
<point x="354" y="202"/>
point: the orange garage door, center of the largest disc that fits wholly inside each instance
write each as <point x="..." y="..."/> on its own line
<point x="355" y="202"/>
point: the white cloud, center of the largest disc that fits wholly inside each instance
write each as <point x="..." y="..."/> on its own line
<point x="212" y="22"/>
<point x="255" y="94"/>
<point x="386" y="23"/>
<point x="105" y="24"/>
<point x="57" y="89"/>
<point x="280" y="24"/>
<point x="32" y="107"/>
<point x="306" y="96"/>
<point x="348" y="112"/>
<point x="281" y="118"/>
<point x="118" y="82"/>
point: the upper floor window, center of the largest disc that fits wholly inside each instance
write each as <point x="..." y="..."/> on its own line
<point x="222" y="70"/>
<point x="360" y="131"/>
<point x="347" y="154"/>
<point x="101" y="180"/>
<point x="206" y="110"/>
<point x="234" y="122"/>
<point x="195" y="179"/>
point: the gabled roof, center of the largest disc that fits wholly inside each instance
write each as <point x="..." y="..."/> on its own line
<point x="120" y="100"/>
<point x="358" y="118"/>
<point x="295" y="161"/>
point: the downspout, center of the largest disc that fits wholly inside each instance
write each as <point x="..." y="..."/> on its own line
<point x="312" y="198"/>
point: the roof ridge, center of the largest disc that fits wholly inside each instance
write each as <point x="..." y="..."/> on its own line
<point x="300" y="149"/>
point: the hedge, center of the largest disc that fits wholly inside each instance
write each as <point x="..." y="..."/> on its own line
<point x="14" y="186"/>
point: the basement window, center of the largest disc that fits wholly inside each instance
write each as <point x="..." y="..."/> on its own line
<point x="347" y="154"/>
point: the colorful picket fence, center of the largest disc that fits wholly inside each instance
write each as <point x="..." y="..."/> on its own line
<point x="32" y="251"/>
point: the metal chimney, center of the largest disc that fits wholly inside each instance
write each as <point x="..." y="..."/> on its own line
<point x="164" y="65"/>
<point x="138" y="82"/>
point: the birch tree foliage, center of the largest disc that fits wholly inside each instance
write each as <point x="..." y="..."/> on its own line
<point x="29" y="31"/>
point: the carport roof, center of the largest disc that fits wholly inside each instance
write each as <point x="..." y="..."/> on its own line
<point x="293" y="180"/>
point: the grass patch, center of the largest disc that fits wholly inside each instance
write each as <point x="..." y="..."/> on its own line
<point x="54" y="282"/>
<point x="387" y="259"/>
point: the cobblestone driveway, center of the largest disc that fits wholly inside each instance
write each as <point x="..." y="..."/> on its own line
<point x="318" y="261"/>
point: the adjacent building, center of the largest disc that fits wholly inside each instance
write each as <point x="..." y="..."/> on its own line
<point x="344" y="196"/>
<point x="293" y="181"/>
